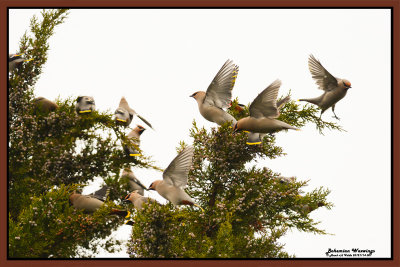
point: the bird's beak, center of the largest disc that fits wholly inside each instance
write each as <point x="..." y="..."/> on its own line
<point x="126" y="199"/>
<point x="121" y="120"/>
<point x="235" y="128"/>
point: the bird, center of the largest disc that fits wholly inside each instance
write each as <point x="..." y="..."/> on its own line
<point x="90" y="204"/>
<point x="256" y="138"/>
<point x="134" y="183"/>
<point x="175" y="178"/>
<point x="101" y="194"/>
<point x="134" y="137"/>
<point x="334" y="88"/>
<point x="124" y="114"/>
<point x="218" y="95"/>
<point x="138" y="199"/>
<point x="44" y="105"/>
<point x="263" y="112"/>
<point x="14" y="60"/>
<point x="85" y="104"/>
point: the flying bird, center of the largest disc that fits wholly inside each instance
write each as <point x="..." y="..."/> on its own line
<point x="124" y="114"/>
<point x="14" y="60"/>
<point x="138" y="200"/>
<point x="90" y="204"/>
<point x="85" y="104"/>
<point x="134" y="183"/>
<point x="218" y="95"/>
<point x="44" y="105"/>
<point x="175" y="178"/>
<point x="334" y="88"/>
<point x="134" y="137"/>
<point x="263" y="113"/>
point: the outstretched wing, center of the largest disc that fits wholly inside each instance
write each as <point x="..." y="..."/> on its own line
<point x="177" y="171"/>
<point x="322" y="77"/>
<point x="219" y="92"/>
<point x="264" y="105"/>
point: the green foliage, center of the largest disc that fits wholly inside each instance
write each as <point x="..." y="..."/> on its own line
<point x="246" y="208"/>
<point x="51" y="227"/>
<point x="51" y="151"/>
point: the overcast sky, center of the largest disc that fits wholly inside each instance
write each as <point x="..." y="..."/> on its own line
<point x="157" y="58"/>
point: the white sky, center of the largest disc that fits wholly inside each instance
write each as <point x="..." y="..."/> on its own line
<point x="157" y="58"/>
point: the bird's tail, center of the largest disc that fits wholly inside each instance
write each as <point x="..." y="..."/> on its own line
<point x="129" y="222"/>
<point x="315" y="101"/>
<point x="191" y="203"/>
<point x="198" y="207"/>
<point x="122" y="213"/>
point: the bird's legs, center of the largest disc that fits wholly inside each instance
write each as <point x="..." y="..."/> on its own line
<point x="333" y="110"/>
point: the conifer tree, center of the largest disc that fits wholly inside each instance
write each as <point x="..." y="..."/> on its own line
<point x="51" y="154"/>
<point x="246" y="208"/>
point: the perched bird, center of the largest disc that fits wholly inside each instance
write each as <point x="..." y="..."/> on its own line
<point x="134" y="137"/>
<point x="263" y="111"/>
<point x="134" y="183"/>
<point x="90" y="204"/>
<point x="256" y="138"/>
<point x="44" y="105"/>
<point x="124" y="114"/>
<point x="14" y="60"/>
<point x="101" y="194"/>
<point x="334" y="88"/>
<point x="175" y="178"/>
<point x="138" y="199"/>
<point x="218" y="95"/>
<point x="85" y="104"/>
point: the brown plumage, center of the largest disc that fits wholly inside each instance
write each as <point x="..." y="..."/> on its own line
<point x="334" y="88"/>
<point x="44" y="105"/>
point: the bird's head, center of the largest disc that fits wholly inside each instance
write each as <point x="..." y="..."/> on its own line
<point x="346" y="84"/>
<point x="154" y="184"/>
<point x="73" y="196"/>
<point x="131" y="196"/>
<point x="236" y="127"/>
<point x="127" y="199"/>
<point x="198" y="95"/>
<point x="141" y="129"/>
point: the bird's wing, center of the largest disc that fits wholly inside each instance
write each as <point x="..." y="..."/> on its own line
<point x="124" y="104"/>
<point x="144" y="120"/>
<point x="322" y="77"/>
<point x="177" y="171"/>
<point x="219" y="92"/>
<point x="264" y="105"/>
<point x="101" y="194"/>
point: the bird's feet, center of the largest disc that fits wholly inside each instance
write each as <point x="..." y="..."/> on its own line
<point x="336" y="117"/>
